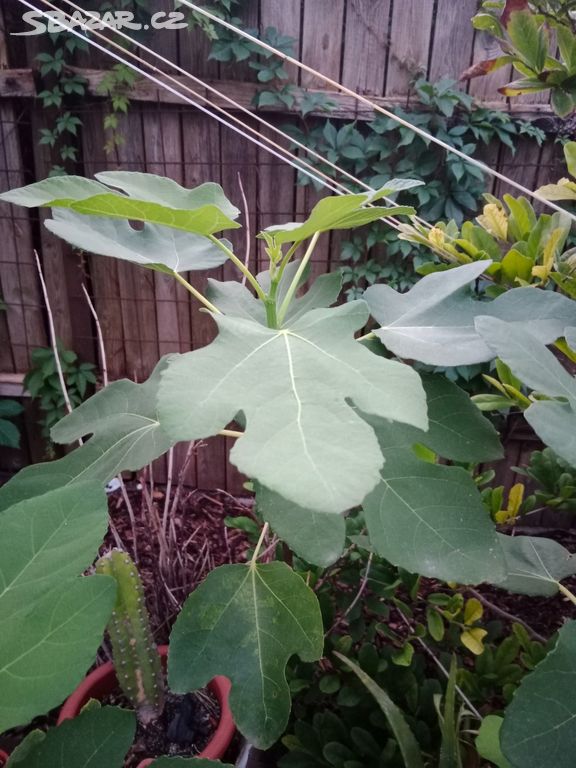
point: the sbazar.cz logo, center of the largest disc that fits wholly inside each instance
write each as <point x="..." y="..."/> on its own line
<point x="57" y="21"/>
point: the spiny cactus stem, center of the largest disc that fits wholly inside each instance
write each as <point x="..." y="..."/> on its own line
<point x="133" y="647"/>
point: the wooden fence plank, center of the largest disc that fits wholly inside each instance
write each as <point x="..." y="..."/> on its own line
<point x="410" y="32"/>
<point x="322" y="39"/>
<point x="104" y="271"/>
<point x="486" y="87"/>
<point x="452" y="53"/>
<point x="286" y="18"/>
<point x="366" y="45"/>
<point x="202" y="163"/>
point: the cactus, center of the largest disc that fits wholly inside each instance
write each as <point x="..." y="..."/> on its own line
<point x="136" y="659"/>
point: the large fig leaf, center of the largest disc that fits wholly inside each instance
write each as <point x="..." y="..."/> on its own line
<point x="434" y="321"/>
<point x="554" y="421"/>
<point x="161" y="248"/>
<point x="47" y="539"/>
<point x="51" y="623"/>
<point x="266" y="613"/>
<point x="429" y="518"/>
<point x="540" y="724"/>
<point x="99" y="737"/>
<point x="149" y="198"/>
<point x="317" y="537"/>
<point x="344" y="212"/>
<point x="534" y="565"/>
<point x="126" y="435"/>
<point x="46" y="649"/>
<point x="302" y="440"/>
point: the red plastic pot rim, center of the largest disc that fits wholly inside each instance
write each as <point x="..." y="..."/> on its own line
<point x="3" y="758"/>
<point x="103" y="680"/>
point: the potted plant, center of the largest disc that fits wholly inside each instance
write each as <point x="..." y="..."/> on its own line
<point x="138" y="670"/>
<point x="324" y="420"/>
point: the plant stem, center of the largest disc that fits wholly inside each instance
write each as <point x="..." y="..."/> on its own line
<point x="230" y="433"/>
<point x="297" y="277"/>
<point x="367" y="336"/>
<point x="505" y="614"/>
<point x="259" y="545"/>
<point x="566" y="592"/>
<point x="197" y="294"/>
<point x="245" y="271"/>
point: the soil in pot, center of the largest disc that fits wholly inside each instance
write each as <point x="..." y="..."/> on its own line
<point x="184" y="729"/>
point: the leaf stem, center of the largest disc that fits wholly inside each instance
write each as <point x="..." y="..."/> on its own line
<point x="241" y="266"/>
<point x="566" y="592"/>
<point x="367" y="336"/>
<point x="197" y="294"/>
<point x="297" y="277"/>
<point x="263" y="533"/>
<point x="230" y="433"/>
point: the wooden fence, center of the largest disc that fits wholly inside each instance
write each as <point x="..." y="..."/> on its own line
<point x="373" y="46"/>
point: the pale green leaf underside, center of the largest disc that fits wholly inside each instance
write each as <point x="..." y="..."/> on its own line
<point x="161" y="248"/>
<point x="233" y="298"/>
<point x="46" y="650"/>
<point x="97" y="738"/>
<point x="540" y="724"/>
<point x="270" y="614"/>
<point x="127" y="435"/>
<point x="429" y="518"/>
<point x="434" y="321"/>
<point x="203" y="210"/>
<point x="534" y="565"/>
<point x="316" y="537"/>
<point x="553" y="421"/>
<point x="302" y="439"/>
<point x="345" y="212"/>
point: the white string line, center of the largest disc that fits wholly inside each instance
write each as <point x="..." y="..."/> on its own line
<point x="376" y="107"/>
<point x="254" y="116"/>
<point x="297" y="164"/>
<point x="240" y="107"/>
<point x="300" y="164"/>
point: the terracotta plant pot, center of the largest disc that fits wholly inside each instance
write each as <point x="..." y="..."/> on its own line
<point x="3" y="759"/>
<point x="102" y="681"/>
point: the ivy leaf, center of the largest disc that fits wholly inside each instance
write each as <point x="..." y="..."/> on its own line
<point x="302" y="440"/>
<point x="272" y="615"/>
<point x="98" y="737"/>
<point x="434" y="321"/>
<point x="47" y="647"/>
<point x="150" y="198"/>
<point x="160" y="248"/>
<point x="536" y="366"/>
<point x="540" y="723"/>
<point x="317" y="537"/>
<point x="344" y="212"/>
<point x="534" y="565"/>
<point x="126" y="435"/>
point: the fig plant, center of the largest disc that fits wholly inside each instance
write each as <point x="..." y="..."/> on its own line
<point x="323" y="421"/>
